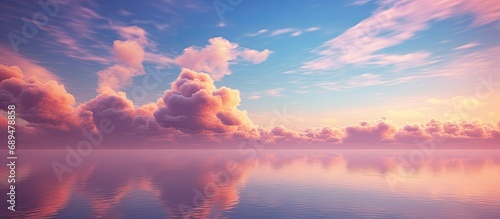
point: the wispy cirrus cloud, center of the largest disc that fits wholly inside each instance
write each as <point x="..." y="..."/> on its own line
<point x="79" y="35"/>
<point x="392" y="24"/>
<point x="366" y="80"/>
<point x="466" y="46"/>
<point x="277" y="92"/>
<point x="283" y="31"/>
<point x="257" y="33"/>
<point x="482" y="62"/>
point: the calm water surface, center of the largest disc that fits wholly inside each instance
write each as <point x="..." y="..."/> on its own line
<point x="269" y="184"/>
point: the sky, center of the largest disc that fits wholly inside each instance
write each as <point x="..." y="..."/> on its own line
<point x="329" y="71"/>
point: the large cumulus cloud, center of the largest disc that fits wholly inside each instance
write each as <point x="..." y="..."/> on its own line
<point x="41" y="104"/>
<point x="194" y="105"/>
<point x="118" y="109"/>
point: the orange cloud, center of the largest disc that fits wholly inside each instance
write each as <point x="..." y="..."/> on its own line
<point x="28" y="67"/>
<point x="42" y="104"/>
<point x="129" y="53"/>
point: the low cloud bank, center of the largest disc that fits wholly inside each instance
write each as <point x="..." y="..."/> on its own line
<point x="194" y="110"/>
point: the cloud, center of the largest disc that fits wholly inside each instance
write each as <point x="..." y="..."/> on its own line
<point x="120" y="110"/>
<point x="482" y="62"/>
<point x="402" y="60"/>
<point x="296" y="33"/>
<point x="129" y="55"/>
<point x="411" y="133"/>
<point x="280" y="135"/>
<point x="271" y="92"/>
<point x="291" y="31"/>
<point x="194" y="105"/>
<point x="274" y="92"/>
<point x="282" y="31"/>
<point x="194" y="110"/>
<point x="146" y="49"/>
<point x="216" y="57"/>
<point x="115" y="77"/>
<point x="134" y="33"/>
<point x="29" y="67"/>
<point x="255" y="56"/>
<point x="7" y="72"/>
<point x="42" y="104"/>
<point x="384" y="132"/>
<point x="80" y="35"/>
<point x="311" y="29"/>
<point x="393" y="23"/>
<point x="353" y="82"/>
<point x="369" y="132"/>
<point x="461" y="131"/>
<point x="472" y="65"/>
<point x="484" y="12"/>
<point x="466" y="46"/>
<point x="257" y="33"/>
<point x="360" y="2"/>
<point x="221" y="24"/>
<point x="254" y="97"/>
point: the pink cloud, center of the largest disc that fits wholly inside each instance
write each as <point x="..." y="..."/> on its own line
<point x="311" y="29"/>
<point x="194" y="110"/>
<point x="281" y="134"/>
<point x="120" y="110"/>
<point x="282" y="31"/>
<point x="134" y="33"/>
<point x="216" y="57"/>
<point x="255" y="56"/>
<point x="479" y="62"/>
<point x="29" y="67"/>
<point x="384" y="132"/>
<point x="254" y="97"/>
<point x="194" y="104"/>
<point x="484" y="12"/>
<point x="274" y="92"/>
<point x="369" y="132"/>
<point x="467" y="46"/>
<point x="42" y="104"/>
<point x="148" y="51"/>
<point x="257" y="33"/>
<point x="81" y="33"/>
<point x="325" y="134"/>
<point x="410" y="134"/>
<point x="7" y="72"/>
<point x="399" y="21"/>
<point x="130" y="55"/>
<point x="115" y="77"/>
<point x="296" y="33"/>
